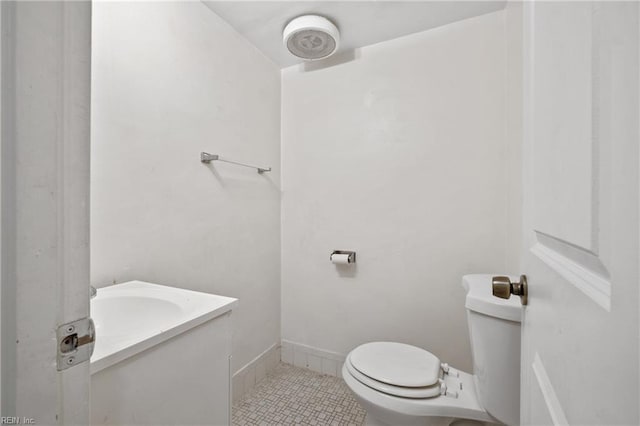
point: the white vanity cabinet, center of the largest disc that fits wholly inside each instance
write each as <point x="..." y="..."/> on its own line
<point x="181" y="379"/>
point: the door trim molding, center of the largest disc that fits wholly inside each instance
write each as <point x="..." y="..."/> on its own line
<point x="549" y="394"/>
<point x="594" y="285"/>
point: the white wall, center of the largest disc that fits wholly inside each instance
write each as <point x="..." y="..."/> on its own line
<point x="401" y="155"/>
<point x="513" y="131"/>
<point x="170" y="80"/>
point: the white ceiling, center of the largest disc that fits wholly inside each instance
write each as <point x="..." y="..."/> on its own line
<point x="361" y="23"/>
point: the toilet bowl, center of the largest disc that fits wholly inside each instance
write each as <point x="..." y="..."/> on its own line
<point x="400" y="384"/>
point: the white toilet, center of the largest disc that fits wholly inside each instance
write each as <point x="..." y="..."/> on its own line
<point x="399" y="384"/>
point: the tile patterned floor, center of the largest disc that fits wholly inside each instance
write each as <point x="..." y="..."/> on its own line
<point x="297" y="396"/>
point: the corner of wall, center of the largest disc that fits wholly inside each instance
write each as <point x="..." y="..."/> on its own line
<point x="314" y="359"/>
<point x="513" y="134"/>
<point x="246" y="379"/>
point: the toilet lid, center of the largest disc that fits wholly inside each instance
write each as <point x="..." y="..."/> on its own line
<point x="396" y="364"/>
<point x="404" y="392"/>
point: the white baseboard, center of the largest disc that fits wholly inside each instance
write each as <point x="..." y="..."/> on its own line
<point x="315" y="359"/>
<point x="245" y="379"/>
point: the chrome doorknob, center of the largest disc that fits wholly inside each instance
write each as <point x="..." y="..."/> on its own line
<point x="504" y="288"/>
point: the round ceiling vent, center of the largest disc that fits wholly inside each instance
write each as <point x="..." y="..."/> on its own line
<point x="311" y="37"/>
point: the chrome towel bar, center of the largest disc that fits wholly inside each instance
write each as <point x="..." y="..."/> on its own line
<point x="205" y="157"/>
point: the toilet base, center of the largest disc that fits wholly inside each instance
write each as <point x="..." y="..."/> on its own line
<point x="369" y="420"/>
<point x="379" y="416"/>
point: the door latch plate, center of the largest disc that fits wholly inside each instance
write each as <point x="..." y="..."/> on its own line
<point x="76" y="341"/>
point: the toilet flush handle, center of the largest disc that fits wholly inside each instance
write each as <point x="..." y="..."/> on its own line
<point x="504" y="288"/>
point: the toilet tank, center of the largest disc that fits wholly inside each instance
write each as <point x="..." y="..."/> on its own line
<point x="494" y="329"/>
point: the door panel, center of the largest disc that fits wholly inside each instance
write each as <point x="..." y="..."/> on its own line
<point x="563" y="151"/>
<point x="580" y="330"/>
<point x="45" y="215"/>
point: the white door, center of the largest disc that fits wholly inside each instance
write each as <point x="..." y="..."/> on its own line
<point x="45" y="206"/>
<point x="580" y="360"/>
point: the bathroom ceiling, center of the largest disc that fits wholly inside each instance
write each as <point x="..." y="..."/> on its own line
<point x="361" y="23"/>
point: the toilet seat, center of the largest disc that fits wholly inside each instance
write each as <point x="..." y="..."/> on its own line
<point x="396" y="369"/>
<point x="397" y="364"/>
<point x="465" y="406"/>
<point x="403" y="392"/>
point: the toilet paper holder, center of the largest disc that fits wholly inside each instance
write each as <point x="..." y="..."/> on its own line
<point x="351" y="254"/>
